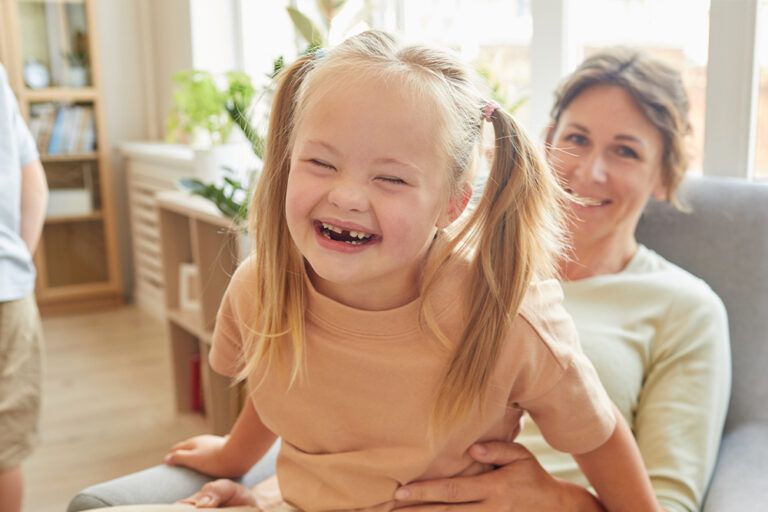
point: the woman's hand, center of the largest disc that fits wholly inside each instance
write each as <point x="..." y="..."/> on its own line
<point x="205" y="454"/>
<point x="518" y="484"/>
<point x="221" y="493"/>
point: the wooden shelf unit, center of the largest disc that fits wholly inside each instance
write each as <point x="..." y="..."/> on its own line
<point x="77" y="259"/>
<point x="192" y="231"/>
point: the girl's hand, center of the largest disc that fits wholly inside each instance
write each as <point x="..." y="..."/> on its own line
<point x="518" y="484"/>
<point x="221" y="493"/>
<point x="205" y="454"/>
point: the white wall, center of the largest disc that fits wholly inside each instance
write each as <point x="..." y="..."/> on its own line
<point x="142" y="43"/>
<point x="122" y="80"/>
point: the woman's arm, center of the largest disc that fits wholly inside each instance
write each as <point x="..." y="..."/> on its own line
<point x="230" y="456"/>
<point x="681" y="409"/>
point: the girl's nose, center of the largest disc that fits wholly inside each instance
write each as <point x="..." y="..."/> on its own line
<point x="348" y="195"/>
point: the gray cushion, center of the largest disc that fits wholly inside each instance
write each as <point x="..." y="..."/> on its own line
<point x="724" y="241"/>
<point x="741" y="480"/>
<point x="160" y="484"/>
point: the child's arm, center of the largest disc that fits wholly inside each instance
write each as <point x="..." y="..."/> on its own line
<point x="229" y="456"/>
<point x="616" y="471"/>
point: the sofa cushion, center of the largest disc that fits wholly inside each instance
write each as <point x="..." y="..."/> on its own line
<point x="724" y="241"/>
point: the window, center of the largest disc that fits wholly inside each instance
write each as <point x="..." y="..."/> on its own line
<point x="761" y="148"/>
<point x="655" y="26"/>
<point x="494" y="35"/>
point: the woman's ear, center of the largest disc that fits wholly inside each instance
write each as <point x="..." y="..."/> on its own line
<point x="456" y="206"/>
<point x="659" y="191"/>
<point x="549" y="134"/>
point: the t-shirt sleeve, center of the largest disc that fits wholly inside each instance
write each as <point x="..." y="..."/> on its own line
<point x="226" y="355"/>
<point x="683" y="403"/>
<point x="563" y="394"/>
<point x="25" y="144"/>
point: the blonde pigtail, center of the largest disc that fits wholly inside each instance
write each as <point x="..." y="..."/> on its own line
<point x="278" y="294"/>
<point x="516" y="234"/>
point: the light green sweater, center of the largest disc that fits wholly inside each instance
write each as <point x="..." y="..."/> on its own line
<point x="658" y="337"/>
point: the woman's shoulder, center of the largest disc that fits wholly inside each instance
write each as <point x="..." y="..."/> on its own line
<point x="684" y="289"/>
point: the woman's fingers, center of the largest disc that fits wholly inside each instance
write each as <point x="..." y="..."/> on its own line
<point x="499" y="453"/>
<point x="463" y="489"/>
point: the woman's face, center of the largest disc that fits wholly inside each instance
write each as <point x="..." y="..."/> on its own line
<point x="607" y="152"/>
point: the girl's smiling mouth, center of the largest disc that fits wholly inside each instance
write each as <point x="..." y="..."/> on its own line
<point x="344" y="235"/>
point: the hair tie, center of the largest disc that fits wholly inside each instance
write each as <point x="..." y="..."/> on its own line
<point x="488" y="109"/>
<point x="319" y="53"/>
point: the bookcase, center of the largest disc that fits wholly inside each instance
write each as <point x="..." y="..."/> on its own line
<point x="201" y="246"/>
<point x="50" y="51"/>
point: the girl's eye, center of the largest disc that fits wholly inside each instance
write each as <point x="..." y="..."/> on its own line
<point x="320" y="163"/>
<point x="391" y="179"/>
<point x="627" y="152"/>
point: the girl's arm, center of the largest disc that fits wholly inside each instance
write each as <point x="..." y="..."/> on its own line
<point x="230" y="456"/>
<point x="616" y="471"/>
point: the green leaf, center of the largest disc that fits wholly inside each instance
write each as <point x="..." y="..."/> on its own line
<point x="306" y="28"/>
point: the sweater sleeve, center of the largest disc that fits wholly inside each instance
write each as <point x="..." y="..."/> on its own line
<point x="683" y="403"/>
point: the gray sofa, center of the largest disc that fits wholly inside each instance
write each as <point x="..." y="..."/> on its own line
<point x="724" y="240"/>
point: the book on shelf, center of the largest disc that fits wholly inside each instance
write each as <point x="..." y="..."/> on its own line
<point x="63" y="129"/>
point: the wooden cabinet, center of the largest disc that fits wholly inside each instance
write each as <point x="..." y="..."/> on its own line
<point x="50" y="51"/>
<point x="200" y="244"/>
<point x="151" y="167"/>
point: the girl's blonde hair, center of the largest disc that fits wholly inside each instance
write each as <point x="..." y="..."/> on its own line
<point x="656" y="88"/>
<point x="512" y="236"/>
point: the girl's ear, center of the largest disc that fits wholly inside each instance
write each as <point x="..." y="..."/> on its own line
<point x="456" y="206"/>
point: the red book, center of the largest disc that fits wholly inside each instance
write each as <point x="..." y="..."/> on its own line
<point x="195" y="384"/>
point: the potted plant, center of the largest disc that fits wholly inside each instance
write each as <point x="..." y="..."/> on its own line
<point x="205" y="110"/>
<point x="77" y="60"/>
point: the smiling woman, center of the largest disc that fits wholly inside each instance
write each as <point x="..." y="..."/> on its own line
<point x="610" y="158"/>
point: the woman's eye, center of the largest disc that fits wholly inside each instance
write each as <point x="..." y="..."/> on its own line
<point x="628" y="152"/>
<point x="320" y="163"/>
<point x="391" y="179"/>
<point x="576" y="138"/>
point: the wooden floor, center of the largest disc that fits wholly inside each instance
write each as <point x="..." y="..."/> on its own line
<point x="108" y="404"/>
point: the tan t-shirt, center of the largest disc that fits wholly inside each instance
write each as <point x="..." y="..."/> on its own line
<point x="355" y="428"/>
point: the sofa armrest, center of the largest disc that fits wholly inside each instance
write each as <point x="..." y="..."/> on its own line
<point x="160" y="485"/>
<point x="740" y="481"/>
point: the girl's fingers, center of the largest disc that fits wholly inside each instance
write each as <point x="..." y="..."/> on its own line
<point x="179" y="457"/>
<point x="185" y="444"/>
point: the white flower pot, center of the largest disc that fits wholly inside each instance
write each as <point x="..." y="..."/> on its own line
<point x="210" y="163"/>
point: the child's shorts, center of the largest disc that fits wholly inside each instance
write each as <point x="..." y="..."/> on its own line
<point x="20" y="379"/>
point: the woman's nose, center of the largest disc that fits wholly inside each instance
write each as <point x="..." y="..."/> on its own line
<point x="592" y="168"/>
<point x="348" y="195"/>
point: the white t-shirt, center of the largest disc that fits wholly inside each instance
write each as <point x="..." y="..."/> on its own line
<point x="17" y="149"/>
<point x="658" y="338"/>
